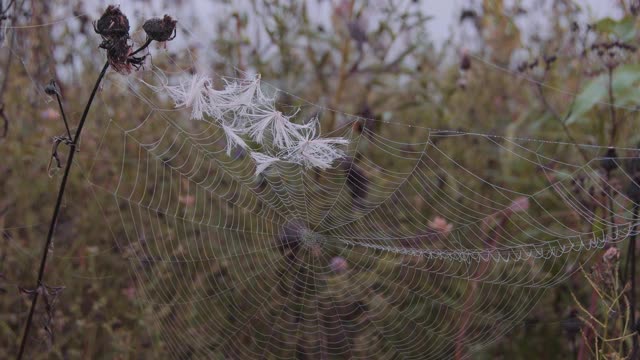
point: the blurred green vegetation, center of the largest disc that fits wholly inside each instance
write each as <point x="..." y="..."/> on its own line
<point x="380" y="64"/>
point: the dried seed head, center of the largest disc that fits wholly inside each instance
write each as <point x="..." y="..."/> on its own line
<point x="51" y="88"/>
<point x="160" y="29"/>
<point x="613" y="53"/>
<point x="113" y="27"/>
<point x="118" y="53"/>
<point x="468" y="14"/>
<point x="113" y="23"/>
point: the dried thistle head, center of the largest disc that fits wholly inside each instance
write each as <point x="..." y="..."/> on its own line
<point x="112" y="24"/>
<point x="113" y="27"/>
<point x="160" y="30"/>
<point x="118" y="51"/>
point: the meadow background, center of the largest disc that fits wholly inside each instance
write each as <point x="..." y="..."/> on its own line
<point x="354" y="57"/>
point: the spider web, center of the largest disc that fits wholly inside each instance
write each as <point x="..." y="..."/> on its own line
<point x="405" y="248"/>
<point x="351" y="261"/>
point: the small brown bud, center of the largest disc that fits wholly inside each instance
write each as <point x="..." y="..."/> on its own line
<point x="468" y="14"/>
<point x="51" y="88"/>
<point x="160" y="29"/>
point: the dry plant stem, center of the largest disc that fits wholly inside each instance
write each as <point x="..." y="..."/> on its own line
<point x="341" y="83"/>
<point x="612" y="110"/>
<point x="63" y="184"/>
<point x="586" y="334"/>
<point x="612" y="139"/>
<point x="5" y="121"/>
<point x="64" y="118"/>
<point x="594" y="293"/>
<point x="343" y="75"/>
<point x="632" y="296"/>
<point x="56" y="211"/>
<point x="5" y="83"/>
<point x="5" y="10"/>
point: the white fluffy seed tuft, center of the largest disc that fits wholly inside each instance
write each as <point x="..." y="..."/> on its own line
<point x="245" y="112"/>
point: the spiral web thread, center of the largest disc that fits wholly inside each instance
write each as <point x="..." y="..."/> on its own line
<point x="352" y="261"/>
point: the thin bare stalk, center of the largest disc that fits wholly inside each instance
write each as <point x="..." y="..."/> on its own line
<point x="56" y="210"/>
<point x="632" y="296"/>
<point x="612" y="109"/>
<point x="5" y="80"/>
<point x="64" y="118"/>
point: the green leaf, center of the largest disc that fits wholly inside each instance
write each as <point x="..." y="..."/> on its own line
<point x="625" y="90"/>
<point x="623" y="29"/>
<point x="592" y="94"/>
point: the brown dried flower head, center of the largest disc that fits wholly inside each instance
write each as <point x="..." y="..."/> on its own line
<point x="113" y="27"/>
<point x="113" y="23"/>
<point x="118" y="53"/>
<point x="160" y="29"/>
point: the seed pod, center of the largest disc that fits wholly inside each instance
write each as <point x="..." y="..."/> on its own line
<point x="160" y="29"/>
<point x="51" y="88"/>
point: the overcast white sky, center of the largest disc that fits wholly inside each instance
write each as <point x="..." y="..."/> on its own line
<point x="445" y="12"/>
